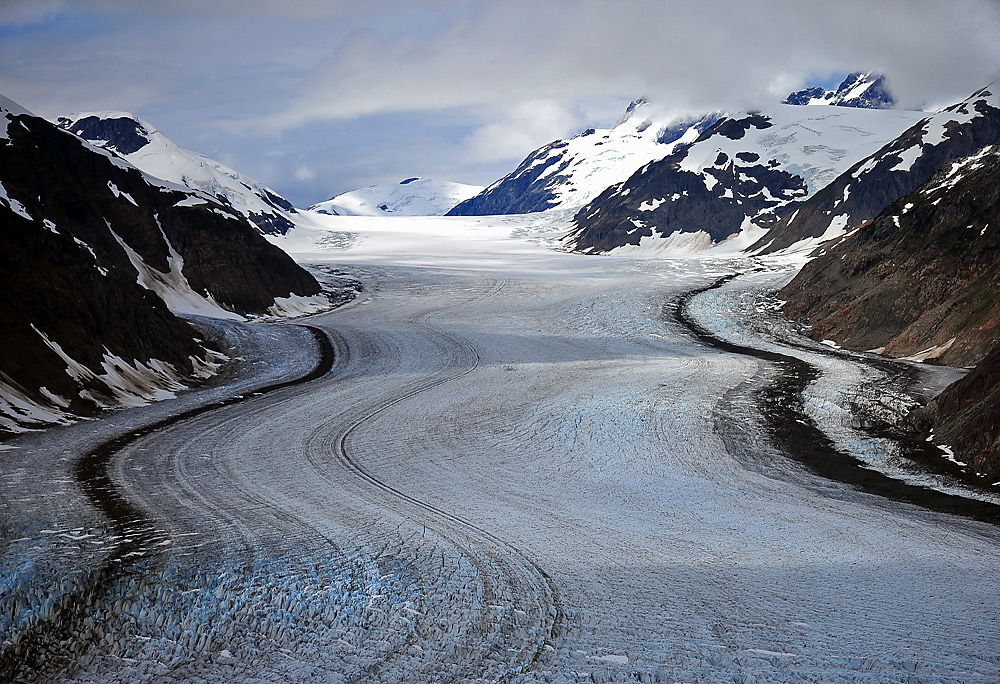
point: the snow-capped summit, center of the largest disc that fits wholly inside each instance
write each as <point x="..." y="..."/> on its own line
<point x="151" y="151"/>
<point x="410" y="197"/>
<point x="566" y="174"/>
<point x="859" y="89"/>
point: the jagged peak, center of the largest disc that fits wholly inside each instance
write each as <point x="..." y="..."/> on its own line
<point x="863" y="89"/>
<point x="630" y="111"/>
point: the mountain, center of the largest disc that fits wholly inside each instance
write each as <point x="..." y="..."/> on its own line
<point x="151" y="151"/>
<point x="965" y="419"/>
<point x="92" y="254"/>
<point x="922" y="278"/>
<point x="570" y="173"/>
<point x="894" y="170"/>
<point x="737" y="178"/>
<point x="410" y="197"/>
<point x="865" y="90"/>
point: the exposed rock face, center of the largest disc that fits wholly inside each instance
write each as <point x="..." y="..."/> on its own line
<point x="520" y="192"/>
<point x="154" y="153"/>
<point x="892" y="172"/>
<point x="859" y="89"/>
<point x="80" y="232"/>
<point x="924" y="276"/>
<point x="966" y="418"/>
<point x="716" y="200"/>
<point x="121" y="134"/>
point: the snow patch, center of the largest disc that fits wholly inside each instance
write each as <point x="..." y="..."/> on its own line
<point x="949" y="454"/>
<point x="120" y="193"/>
<point x="129" y="384"/>
<point x="907" y="157"/>
<point x="173" y="287"/>
<point x="20" y="413"/>
<point x="16" y="206"/>
<point x="297" y="305"/>
<point x="192" y="201"/>
<point x="930" y="352"/>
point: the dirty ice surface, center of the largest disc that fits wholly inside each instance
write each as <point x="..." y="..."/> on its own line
<point x="511" y="472"/>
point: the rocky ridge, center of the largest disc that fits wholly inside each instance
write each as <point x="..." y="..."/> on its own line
<point x="739" y="178"/>
<point x="891" y="172"/>
<point x="149" y="150"/>
<point x="921" y="279"/>
<point x="95" y="254"/>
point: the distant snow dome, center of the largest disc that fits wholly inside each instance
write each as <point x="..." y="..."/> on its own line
<point x="414" y="196"/>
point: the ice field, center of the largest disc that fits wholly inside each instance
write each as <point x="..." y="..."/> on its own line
<point x="520" y="467"/>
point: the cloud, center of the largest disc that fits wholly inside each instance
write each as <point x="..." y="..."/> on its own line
<point x="521" y="126"/>
<point x="692" y="55"/>
<point x="358" y="91"/>
<point x="304" y="174"/>
<point x="23" y="13"/>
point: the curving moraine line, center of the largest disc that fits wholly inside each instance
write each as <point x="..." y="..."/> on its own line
<point x="800" y="438"/>
<point x="29" y="655"/>
<point x="550" y="611"/>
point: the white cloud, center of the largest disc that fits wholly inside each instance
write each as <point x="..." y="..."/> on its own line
<point x="457" y="84"/>
<point x="304" y="174"/>
<point x="522" y="126"/>
<point x="695" y="56"/>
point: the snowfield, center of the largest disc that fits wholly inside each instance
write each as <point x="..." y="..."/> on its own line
<point x="409" y="197"/>
<point x="514" y="471"/>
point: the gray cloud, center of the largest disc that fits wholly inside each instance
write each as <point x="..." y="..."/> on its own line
<point x="370" y="81"/>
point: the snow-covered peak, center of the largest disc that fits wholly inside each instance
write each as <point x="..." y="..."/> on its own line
<point x="634" y="108"/>
<point x="409" y="197"/>
<point x="141" y="144"/>
<point x="567" y="174"/>
<point x="736" y="178"/>
<point x="859" y="89"/>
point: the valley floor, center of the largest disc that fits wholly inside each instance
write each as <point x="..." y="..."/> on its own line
<point x="519" y="466"/>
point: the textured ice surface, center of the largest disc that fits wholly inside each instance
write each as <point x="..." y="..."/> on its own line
<point x="512" y="470"/>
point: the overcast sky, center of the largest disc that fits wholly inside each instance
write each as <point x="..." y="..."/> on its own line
<point x="318" y="97"/>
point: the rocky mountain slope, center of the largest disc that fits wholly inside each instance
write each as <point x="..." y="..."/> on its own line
<point x="965" y="419"/>
<point x="92" y="254"/>
<point x="570" y="173"/>
<point x="738" y="178"/>
<point x="922" y="278"/>
<point x="865" y="90"/>
<point x="409" y="197"/>
<point x="151" y="151"/>
<point x="895" y="170"/>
